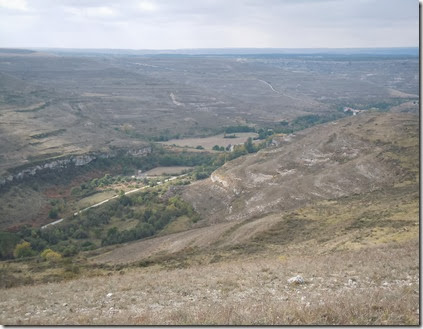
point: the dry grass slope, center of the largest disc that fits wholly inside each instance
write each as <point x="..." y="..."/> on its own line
<point x="375" y="286"/>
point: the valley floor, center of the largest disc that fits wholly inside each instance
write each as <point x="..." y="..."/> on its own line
<point x="367" y="286"/>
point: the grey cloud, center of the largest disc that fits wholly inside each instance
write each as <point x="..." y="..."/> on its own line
<point x="211" y="23"/>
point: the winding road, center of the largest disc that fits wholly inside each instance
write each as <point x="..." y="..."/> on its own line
<point x="283" y="94"/>
<point x="271" y="87"/>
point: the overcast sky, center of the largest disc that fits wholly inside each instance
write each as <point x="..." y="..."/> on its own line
<point x="176" y="24"/>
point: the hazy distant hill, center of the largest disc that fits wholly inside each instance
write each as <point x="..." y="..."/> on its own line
<point x="93" y="101"/>
<point x="410" y="51"/>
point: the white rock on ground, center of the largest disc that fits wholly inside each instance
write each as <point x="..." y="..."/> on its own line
<point x="296" y="280"/>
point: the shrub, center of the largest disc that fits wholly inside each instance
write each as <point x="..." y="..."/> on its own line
<point x="71" y="250"/>
<point x="23" y="250"/>
<point x="80" y="234"/>
<point x="51" y="255"/>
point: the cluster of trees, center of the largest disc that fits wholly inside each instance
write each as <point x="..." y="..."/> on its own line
<point x="239" y="129"/>
<point x="153" y="218"/>
<point x="89" y="188"/>
<point x="11" y="246"/>
<point x="150" y="209"/>
<point x="239" y="150"/>
<point x="218" y="148"/>
<point x="263" y="133"/>
<point x="305" y="121"/>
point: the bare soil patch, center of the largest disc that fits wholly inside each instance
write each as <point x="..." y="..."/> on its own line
<point x="175" y="170"/>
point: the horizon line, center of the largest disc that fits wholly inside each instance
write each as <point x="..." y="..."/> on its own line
<point x="207" y="48"/>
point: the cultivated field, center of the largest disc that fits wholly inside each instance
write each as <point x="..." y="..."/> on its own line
<point x="209" y="142"/>
<point x="176" y="170"/>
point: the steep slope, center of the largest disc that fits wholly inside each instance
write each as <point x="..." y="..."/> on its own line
<point x="357" y="155"/>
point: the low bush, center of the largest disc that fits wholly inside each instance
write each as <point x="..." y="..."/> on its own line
<point x="51" y="256"/>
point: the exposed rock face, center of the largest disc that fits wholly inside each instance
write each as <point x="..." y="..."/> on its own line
<point x="82" y="160"/>
<point x="336" y="160"/>
<point x="139" y="152"/>
<point x="76" y="160"/>
<point x="216" y="178"/>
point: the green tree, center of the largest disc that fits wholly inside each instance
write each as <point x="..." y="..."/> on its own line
<point x="53" y="213"/>
<point x="249" y="146"/>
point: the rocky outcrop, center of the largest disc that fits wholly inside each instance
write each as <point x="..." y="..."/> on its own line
<point x="139" y="151"/>
<point x="216" y="178"/>
<point x="82" y="160"/>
